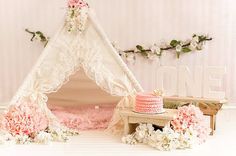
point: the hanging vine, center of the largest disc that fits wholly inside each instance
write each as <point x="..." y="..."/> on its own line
<point x="176" y="46"/>
<point x="196" y="43"/>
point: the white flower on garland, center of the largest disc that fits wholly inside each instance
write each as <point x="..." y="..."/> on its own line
<point x="37" y="37"/>
<point x="195" y="39"/>
<point x="194" y="43"/>
<point x="130" y="58"/>
<point x="178" y="48"/>
<point x="200" y="46"/>
<point x="156" y="50"/>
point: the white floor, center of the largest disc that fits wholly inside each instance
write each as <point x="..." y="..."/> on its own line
<point x="98" y="143"/>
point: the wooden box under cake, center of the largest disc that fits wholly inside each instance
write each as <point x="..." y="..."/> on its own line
<point x="132" y="119"/>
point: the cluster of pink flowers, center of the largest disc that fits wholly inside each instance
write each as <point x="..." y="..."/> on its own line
<point x="76" y="3"/>
<point x="25" y="118"/>
<point x="191" y="118"/>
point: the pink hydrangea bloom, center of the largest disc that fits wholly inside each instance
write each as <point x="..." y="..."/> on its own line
<point x="76" y="3"/>
<point x="25" y="118"/>
<point x="191" y="117"/>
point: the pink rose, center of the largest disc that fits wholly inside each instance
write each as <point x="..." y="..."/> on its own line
<point x="76" y="3"/>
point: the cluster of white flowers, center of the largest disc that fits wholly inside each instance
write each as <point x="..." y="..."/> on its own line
<point x="195" y="44"/>
<point x="76" y="19"/>
<point x="22" y="139"/>
<point x="58" y="135"/>
<point x="129" y="139"/>
<point x="7" y="138"/>
<point x="166" y="140"/>
<point x="43" y="138"/>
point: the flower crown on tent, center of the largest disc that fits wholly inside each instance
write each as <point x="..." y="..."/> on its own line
<point x="76" y="15"/>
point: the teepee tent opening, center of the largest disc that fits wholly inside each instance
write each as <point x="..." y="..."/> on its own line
<point x="81" y="105"/>
<point x="80" y="91"/>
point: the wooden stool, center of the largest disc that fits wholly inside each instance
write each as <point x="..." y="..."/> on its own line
<point x="132" y="119"/>
<point x="209" y="107"/>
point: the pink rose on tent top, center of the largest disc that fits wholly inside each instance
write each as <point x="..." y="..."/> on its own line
<point x="26" y="118"/>
<point x="76" y="3"/>
<point x="191" y="117"/>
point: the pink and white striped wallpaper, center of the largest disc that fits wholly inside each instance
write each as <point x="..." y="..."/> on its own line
<point x="127" y="22"/>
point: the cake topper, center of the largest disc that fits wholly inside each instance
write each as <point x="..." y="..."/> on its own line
<point x="158" y="92"/>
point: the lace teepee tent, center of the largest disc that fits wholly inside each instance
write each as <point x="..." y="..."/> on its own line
<point x="88" y="53"/>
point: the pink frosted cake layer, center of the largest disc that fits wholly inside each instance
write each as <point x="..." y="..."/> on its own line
<point x="148" y="97"/>
<point x="148" y="103"/>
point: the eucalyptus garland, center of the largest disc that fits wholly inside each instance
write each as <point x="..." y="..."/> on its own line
<point x="38" y="36"/>
<point x="176" y="46"/>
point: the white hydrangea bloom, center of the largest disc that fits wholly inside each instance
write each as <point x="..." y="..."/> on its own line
<point x="58" y="135"/>
<point x="43" y="138"/>
<point x="167" y="139"/>
<point x="22" y="139"/>
<point x="150" y="128"/>
<point x="129" y="139"/>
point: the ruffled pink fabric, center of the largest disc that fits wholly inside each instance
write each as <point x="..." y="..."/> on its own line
<point x="84" y="117"/>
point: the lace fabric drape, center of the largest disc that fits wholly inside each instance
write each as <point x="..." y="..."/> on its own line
<point x="66" y="54"/>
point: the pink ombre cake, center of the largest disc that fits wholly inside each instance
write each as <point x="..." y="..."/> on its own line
<point x="150" y="103"/>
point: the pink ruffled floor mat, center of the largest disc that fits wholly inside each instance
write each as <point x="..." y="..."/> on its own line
<point x="84" y="117"/>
